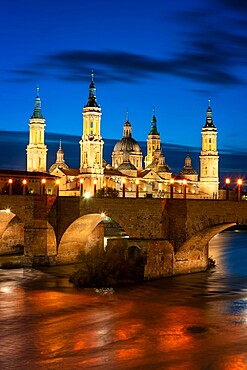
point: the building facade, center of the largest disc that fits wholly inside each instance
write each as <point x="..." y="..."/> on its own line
<point x="126" y="173"/>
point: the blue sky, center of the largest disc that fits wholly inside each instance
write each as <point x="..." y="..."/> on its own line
<point x="169" y="55"/>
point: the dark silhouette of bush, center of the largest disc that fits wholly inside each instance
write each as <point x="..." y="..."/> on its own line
<point x="104" y="269"/>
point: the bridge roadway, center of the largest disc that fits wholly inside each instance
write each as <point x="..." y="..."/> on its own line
<point x="173" y="234"/>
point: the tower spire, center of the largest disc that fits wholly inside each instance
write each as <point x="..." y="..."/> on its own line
<point x="209" y="116"/>
<point x="92" y="102"/>
<point x="37" y="113"/>
<point x="153" y="130"/>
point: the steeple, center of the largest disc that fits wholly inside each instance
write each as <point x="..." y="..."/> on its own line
<point x="91" y="143"/>
<point x="60" y="162"/>
<point x="209" y="158"/>
<point x="92" y="94"/>
<point x="37" y="113"/>
<point x="36" y="148"/>
<point x="209" y="118"/>
<point x="153" y="130"/>
<point x="127" y="129"/>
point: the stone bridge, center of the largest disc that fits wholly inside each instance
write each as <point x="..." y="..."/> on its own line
<point x="173" y="234"/>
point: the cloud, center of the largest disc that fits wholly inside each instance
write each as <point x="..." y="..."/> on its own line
<point x="212" y="44"/>
<point x="200" y="66"/>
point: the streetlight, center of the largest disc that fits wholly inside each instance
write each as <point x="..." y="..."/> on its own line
<point x="10" y="186"/>
<point x="24" y="183"/>
<point x="43" y="181"/>
<point x="57" y="187"/>
<point x="227" y="181"/>
<point x="184" y="185"/>
<point x="240" y="182"/>
<point x="124" y="188"/>
<point x="94" y="187"/>
<point x="171" y="187"/>
<point x="137" y="188"/>
<point x="81" y="187"/>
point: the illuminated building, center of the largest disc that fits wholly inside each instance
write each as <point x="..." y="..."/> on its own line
<point x="209" y="158"/>
<point x="36" y="149"/>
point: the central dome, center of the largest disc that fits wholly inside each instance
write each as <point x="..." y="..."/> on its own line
<point x="127" y="144"/>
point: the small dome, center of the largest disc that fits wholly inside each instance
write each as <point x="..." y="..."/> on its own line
<point x="188" y="171"/>
<point x="164" y="168"/>
<point x="127" y="143"/>
<point x="126" y="166"/>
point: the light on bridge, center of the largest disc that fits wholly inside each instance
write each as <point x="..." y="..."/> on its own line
<point x="42" y="189"/>
<point x="87" y="195"/>
<point x="239" y="182"/>
<point x="10" y="186"/>
<point x="227" y="181"/>
<point x="24" y="183"/>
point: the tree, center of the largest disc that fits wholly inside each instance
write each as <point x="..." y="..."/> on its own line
<point x="107" y="192"/>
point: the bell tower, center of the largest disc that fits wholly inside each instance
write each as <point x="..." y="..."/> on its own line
<point x="153" y="142"/>
<point x="209" y="158"/>
<point x="36" y="149"/>
<point x="91" y="143"/>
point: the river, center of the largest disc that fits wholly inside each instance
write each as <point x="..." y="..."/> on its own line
<point x="191" y="322"/>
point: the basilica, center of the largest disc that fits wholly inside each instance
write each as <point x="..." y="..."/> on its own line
<point x="130" y="174"/>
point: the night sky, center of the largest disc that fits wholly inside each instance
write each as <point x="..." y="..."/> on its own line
<point x="169" y="55"/>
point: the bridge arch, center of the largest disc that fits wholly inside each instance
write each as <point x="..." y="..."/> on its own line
<point x="11" y="232"/>
<point x="192" y="255"/>
<point x="86" y="233"/>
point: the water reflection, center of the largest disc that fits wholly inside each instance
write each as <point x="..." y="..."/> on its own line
<point x="188" y="322"/>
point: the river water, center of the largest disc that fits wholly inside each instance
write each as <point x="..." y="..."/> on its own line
<point x="192" y="322"/>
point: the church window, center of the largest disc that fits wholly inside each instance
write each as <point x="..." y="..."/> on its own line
<point x="137" y="163"/>
<point x="91" y="128"/>
<point x="205" y="170"/>
<point x="209" y="140"/>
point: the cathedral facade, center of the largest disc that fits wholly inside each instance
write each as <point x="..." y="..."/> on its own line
<point x="126" y="173"/>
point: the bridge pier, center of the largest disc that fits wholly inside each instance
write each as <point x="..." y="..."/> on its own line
<point x="39" y="243"/>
